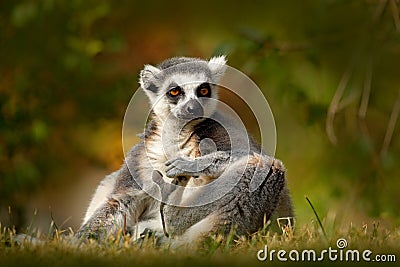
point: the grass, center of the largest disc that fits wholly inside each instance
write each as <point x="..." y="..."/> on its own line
<point x="59" y="248"/>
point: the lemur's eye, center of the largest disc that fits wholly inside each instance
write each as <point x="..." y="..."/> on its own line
<point x="204" y="90"/>
<point x="175" y="91"/>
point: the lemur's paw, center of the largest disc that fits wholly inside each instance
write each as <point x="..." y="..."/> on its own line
<point x="85" y="233"/>
<point x="154" y="236"/>
<point x="147" y="232"/>
<point x="181" y="166"/>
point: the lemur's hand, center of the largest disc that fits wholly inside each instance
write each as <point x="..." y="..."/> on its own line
<point x="184" y="166"/>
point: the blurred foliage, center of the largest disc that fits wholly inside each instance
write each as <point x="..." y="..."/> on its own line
<point x="68" y="69"/>
<point x="52" y="88"/>
<point x="334" y="86"/>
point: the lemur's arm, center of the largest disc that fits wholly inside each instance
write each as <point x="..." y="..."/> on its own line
<point x="212" y="165"/>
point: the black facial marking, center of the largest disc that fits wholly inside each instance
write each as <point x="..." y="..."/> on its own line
<point x="204" y="90"/>
<point x="174" y="93"/>
<point x="172" y="85"/>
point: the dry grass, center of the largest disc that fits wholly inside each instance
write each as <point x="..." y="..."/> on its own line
<point x="61" y="249"/>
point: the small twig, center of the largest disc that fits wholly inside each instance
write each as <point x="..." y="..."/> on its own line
<point x="64" y="222"/>
<point x="395" y="14"/>
<point x="391" y="126"/>
<point x="52" y="218"/>
<point x="347" y="101"/>
<point x="335" y="103"/>
<point x="362" y="112"/>
<point x="316" y="215"/>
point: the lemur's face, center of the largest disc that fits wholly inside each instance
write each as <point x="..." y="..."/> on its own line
<point x="182" y="87"/>
<point x="186" y="96"/>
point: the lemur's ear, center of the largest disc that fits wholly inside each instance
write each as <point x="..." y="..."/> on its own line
<point x="217" y="66"/>
<point x="148" y="77"/>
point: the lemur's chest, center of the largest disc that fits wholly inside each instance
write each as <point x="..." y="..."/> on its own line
<point x="160" y="149"/>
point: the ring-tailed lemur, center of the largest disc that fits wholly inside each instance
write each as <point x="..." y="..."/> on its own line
<point x="223" y="177"/>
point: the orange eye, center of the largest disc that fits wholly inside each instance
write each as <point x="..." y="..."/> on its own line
<point x="204" y="91"/>
<point x="175" y="91"/>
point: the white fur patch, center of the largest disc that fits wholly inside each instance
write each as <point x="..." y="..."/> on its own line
<point x="196" y="231"/>
<point x="100" y="197"/>
<point x="220" y="60"/>
<point x="217" y="66"/>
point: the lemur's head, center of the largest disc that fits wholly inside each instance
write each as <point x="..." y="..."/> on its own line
<point x="184" y="87"/>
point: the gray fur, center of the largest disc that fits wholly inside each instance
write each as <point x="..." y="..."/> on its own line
<point x="240" y="208"/>
<point x="218" y="154"/>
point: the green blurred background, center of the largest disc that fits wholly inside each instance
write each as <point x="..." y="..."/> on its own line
<point x="329" y="69"/>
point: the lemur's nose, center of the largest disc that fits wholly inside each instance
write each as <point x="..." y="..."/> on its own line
<point x="194" y="108"/>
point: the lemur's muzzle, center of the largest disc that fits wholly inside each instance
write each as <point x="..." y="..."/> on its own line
<point x="192" y="109"/>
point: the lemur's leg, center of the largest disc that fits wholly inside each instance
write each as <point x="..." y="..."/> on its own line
<point x="150" y="223"/>
<point x="197" y="231"/>
<point x="252" y="199"/>
<point x="123" y="206"/>
<point x="285" y="208"/>
<point x="103" y="191"/>
<point x="284" y="214"/>
<point x="116" y="211"/>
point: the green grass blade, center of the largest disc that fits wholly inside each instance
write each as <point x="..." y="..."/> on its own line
<point x="316" y="215"/>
